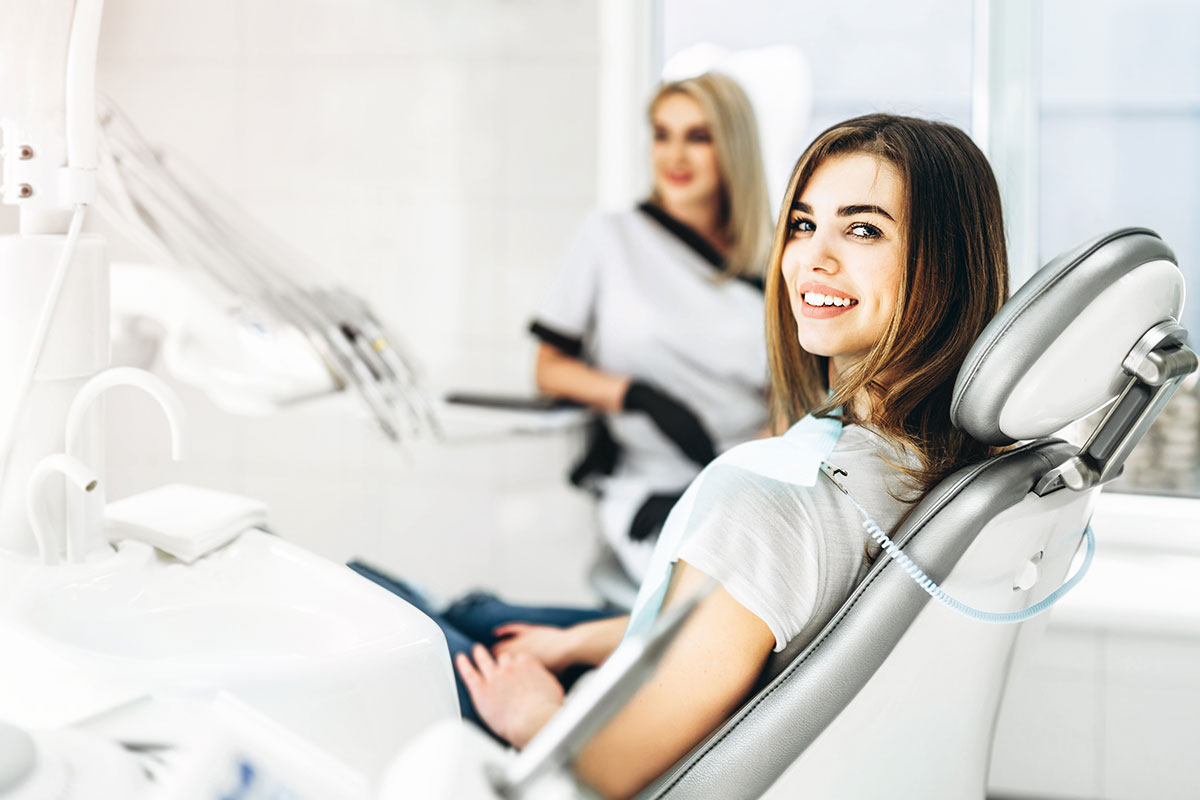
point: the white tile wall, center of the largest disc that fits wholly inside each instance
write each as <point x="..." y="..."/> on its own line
<point x="434" y="155"/>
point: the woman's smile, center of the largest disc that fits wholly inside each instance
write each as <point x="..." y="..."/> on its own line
<point x="818" y="301"/>
<point x="678" y="178"/>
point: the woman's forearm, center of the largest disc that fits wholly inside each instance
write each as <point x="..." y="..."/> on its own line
<point x="595" y="641"/>
<point x="560" y="375"/>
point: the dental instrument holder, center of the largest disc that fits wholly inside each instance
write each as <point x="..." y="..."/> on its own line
<point x="593" y="703"/>
<point x="1157" y="365"/>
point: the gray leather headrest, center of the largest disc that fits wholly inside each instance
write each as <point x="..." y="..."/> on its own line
<point x="1053" y="353"/>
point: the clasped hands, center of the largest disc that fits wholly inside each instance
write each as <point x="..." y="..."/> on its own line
<point x="514" y="687"/>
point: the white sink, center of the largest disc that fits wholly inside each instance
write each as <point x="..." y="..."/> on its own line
<point x="308" y="642"/>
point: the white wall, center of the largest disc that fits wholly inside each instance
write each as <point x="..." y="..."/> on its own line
<point x="874" y="58"/>
<point x="436" y="156"/>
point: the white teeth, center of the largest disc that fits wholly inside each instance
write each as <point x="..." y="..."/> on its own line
<point x="818" y="299"/>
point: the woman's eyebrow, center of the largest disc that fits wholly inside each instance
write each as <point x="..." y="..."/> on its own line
<point x="850" y="211"/>
<point x="847" y="211"/>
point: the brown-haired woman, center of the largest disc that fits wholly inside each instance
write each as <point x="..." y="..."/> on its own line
<point x="888" y="261"/>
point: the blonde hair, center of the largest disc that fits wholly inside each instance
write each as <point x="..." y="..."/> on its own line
<point x="955" y="280"/>
<point x="745" y="211"/>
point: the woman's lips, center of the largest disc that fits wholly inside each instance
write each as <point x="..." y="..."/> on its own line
<point x="677" y="179"/>
<point x="822" y="312"/>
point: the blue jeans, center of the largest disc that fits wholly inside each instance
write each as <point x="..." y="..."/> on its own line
<point x="473" y="619"/>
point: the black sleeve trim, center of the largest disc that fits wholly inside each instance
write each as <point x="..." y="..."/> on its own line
<point x="571" y="345"/>
<point x="649" y="520"/>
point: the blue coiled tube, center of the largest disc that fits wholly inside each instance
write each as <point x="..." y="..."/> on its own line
<point x="937" y="593"/>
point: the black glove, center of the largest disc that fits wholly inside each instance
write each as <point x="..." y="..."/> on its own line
<point x="674" y="419"/>
<point x="600" y="455"/>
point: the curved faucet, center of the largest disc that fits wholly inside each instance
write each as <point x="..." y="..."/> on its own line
<point x="77" y="475"/>
<point x="87" y="521"/>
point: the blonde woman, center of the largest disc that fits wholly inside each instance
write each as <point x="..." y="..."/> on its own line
<point x="656" y="319"/>
<point x="657" y="322"/>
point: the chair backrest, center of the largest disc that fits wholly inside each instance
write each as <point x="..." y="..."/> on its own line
<point x="897" y="696"/>
<point x="885" y="669"/>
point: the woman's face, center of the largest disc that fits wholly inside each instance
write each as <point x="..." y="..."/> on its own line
<point x="683" y="156"/>
<point x="842" y="263"/>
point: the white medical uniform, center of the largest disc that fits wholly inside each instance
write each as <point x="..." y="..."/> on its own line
<point x="642" y="295"/>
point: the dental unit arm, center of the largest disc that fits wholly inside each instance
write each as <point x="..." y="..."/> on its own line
<point x="286" y="332"/>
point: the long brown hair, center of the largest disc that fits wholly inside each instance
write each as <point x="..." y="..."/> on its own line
<point x="745" y="210"/>
<point x="955" y="279"/>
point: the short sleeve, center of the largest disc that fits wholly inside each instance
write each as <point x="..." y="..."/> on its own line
<point x="754" y="535"/>
<point x="566" y="317"/>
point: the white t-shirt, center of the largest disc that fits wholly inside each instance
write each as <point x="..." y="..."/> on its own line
<point x="792" y="554"/>
<point x="637" y="298"/>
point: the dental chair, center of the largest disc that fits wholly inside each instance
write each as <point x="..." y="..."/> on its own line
<point x="897" y="696"/>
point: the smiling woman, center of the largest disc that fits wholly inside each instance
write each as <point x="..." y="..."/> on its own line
<point x="913" y="205"/>
<point x="888" y="261"/>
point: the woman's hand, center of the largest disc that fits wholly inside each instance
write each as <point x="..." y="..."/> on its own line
<point x="514" y="693"/>
<point x="553" y="647"/>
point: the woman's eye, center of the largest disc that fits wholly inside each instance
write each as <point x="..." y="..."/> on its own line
<point x="660" y="135"/>
<point x="862" y="230"/>
<point x="699" y="137"/>
<point x="801" y="225"/>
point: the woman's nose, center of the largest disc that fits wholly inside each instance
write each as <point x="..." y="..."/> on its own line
<point x="821" y="255"/>
<point x="676" y="151"/>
